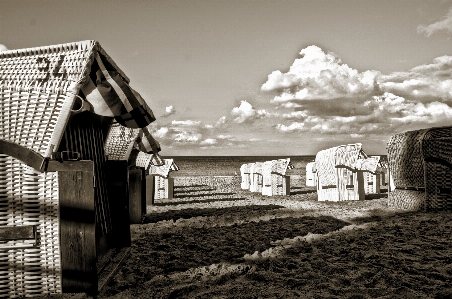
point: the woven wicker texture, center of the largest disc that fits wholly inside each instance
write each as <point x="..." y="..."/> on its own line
<point x="438" y="187"/>
<point x="28" y="197"/>
<point x="120" y="141"/>
<point x="405" y="159"/>
<point x="160" y="187"/>
<point x="143" y="160"/>
<point x="410" y="200"/>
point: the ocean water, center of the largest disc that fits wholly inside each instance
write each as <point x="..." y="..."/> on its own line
<point x="230" y="165"/>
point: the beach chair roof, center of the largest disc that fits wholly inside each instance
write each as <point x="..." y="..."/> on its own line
<point x="408" y="151"/>
<point x="256" y="167"/>
<point x="40" y="88"/>
<point x="280" y="166"/>
<point x="245" y="168"/>
<point x="326" y="161"/>
<point x="164" y="169"/>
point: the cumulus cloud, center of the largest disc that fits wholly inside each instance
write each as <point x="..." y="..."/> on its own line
<point x="170" y="110"/>
<point x="319" y="76"/>
<point x="329" y="97"/>
<point x="246" y="113"/>
<point x="444" y="24"/>
<point x="425" y="82"/>
<point x="3" y="48"/>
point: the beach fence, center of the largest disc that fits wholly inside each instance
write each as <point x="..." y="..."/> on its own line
<point x="311" y="177"/>
<point x="274" y="179"/>
<point x="60" y="217"/>
<point x="420" y="163"/>
<point x="340" y="172"/>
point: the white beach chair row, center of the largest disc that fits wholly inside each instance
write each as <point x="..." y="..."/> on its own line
<point x="268" y="178"/>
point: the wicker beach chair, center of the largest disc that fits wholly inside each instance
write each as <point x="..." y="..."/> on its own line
<point x="420" y="164"/>
<point x="256" y="177"/>
<point x="54" y="178"/>
<point x="163" y="184"/>
<point x="275" y="181"/>
<point x="340" y="172"/>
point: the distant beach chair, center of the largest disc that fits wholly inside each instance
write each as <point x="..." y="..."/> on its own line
<point x="275" y="181"/>
<point x="163" y="184"/>
<point x="420" y="164"/>
<point x="340" y="172"/>
<point x="245" y="174"/>
<point x="311" y="177"/>
<point x="256" y="175"/>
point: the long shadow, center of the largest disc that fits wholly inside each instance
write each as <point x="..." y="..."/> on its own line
<point x="194" y="185"/>
<point x="194" y="190"/>
<point x="175" y="203"/>
<point x="195" y="247"/>
<point x="302" y="192"/>
<point x="191" y="212"/>
<point x="375" y="196"/>
<point x="202" y="195"/>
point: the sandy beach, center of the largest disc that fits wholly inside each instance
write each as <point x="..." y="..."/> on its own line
<point x="213" y="240"/>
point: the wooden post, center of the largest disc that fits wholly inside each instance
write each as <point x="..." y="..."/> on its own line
<point x="360" y="182"/>
<point x="287" y="185"/>
<point x="150" y="190"/>
<point x="135" y="195"/>
<point x="78" y="229"/>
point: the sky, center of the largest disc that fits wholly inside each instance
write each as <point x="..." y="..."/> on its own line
<point x="263" y="77"/>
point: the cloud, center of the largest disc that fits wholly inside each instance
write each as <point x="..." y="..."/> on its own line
<point x="425" y="82"/>
<point x="246" y="113"/>
<point x="3" y="48"/>
<point x="170" y="110"/>
<point x="444" y="24"/>
<point x="319" y="76"/>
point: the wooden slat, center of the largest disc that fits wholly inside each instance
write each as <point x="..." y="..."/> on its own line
<point x="25" y="232"/>
<point x="77" y="230"/>
<point x="135" y="196"/>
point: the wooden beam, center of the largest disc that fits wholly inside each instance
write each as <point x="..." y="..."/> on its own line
<point x="135" y="196"/>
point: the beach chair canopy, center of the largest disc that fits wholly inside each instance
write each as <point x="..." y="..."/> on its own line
<point x="280" y="166"/>
<point x="165" y="169"/>
<point x="40" y="88"/>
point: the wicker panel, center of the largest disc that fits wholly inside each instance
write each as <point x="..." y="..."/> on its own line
<point x="277" y="184"/>
<point x="165" y="169"/>
<point x="406" y="163"/>
<point x="161" y="187"/>
<point x="438" y="187"/>
<point x="267" y="178"/>
<point x="143" y="160"/>
<point x="329" y="194"/>
<point x="28" y="197"/>
<point x="325" y="163"/>
<point x="411" y="200"/>
<point x="120" y="142"/>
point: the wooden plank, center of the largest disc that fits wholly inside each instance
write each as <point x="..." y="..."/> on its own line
<point x="77" y="231"/>
<point x="24" y="232"/>
<point x="286" y="185"/>
<point x="135" y="196"/>
<point x="360" y="191"/>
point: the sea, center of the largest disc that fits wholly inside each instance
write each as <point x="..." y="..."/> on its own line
<point x="229" y="165"/>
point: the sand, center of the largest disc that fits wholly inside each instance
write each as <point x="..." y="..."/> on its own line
<point x="215" y="241"/>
